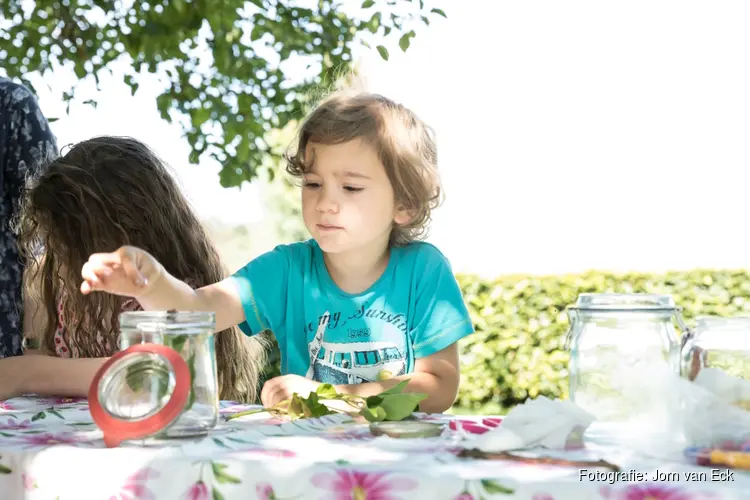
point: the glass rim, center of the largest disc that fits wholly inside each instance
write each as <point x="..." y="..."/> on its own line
<point x="166" y="321"/>
<point x="624" y="302"/>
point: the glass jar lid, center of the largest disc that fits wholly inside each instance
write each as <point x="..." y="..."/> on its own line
<point x="169" y="322"/>
<point x="624" y="302"/>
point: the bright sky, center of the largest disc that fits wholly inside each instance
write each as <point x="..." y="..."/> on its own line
<point x="572" y="135"/>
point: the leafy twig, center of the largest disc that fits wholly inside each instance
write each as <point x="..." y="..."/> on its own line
<point x="392" y="404"/>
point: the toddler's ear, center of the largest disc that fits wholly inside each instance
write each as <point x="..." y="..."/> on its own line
<point x="403" y="216"/>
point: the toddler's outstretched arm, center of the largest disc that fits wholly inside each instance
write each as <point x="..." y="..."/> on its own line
<point x="133" y="272"/>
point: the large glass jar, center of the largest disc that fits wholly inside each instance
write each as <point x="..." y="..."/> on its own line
<point x="716" y="355"/>
<point x="163" y="383"/>
<point x="615" y="340"/>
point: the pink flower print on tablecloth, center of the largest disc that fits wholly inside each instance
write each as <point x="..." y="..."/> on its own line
<point x="258" y="452"/>
<point x="135" y="486"/>
<point x="15" y="424"/>
<point x="542" y="496"/>
<point x="49" y="438"/>
<point x="354" y="485"/>
<point x="265" y="491"/>
<point x="650" y="492"/>
<point x="28" y="482"/>
<point x="62" y="401"/>
<point x="4" y="405"/>
<point x="464" y="495"/>
<point x="475" y="426"/>
<point x="198" y="491"/>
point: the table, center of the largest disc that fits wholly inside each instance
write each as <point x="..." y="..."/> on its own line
<point x="50" y="449"/>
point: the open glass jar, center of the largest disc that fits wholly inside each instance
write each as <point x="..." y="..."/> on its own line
<point x="716" y="354"/>
<point x="614" y="339"/>
<point x="163" y="383"/>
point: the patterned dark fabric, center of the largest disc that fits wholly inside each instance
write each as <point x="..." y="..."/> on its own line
<point x="26" y="142"/>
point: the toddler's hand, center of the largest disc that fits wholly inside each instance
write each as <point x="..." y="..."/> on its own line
<point x="280" y="388"/>
<point x="127" y="271"/>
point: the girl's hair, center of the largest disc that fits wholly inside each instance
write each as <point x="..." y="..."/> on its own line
<point x="104" y="193"/>
<point x="405" y="145"/>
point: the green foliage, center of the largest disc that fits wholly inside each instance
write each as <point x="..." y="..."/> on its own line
<point x="520" y="321"/>
<point x="225" y="64"/>
<point x="281" y="194"/>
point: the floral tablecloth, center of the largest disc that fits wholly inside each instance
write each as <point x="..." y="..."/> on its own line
<point x="50" y="449"/>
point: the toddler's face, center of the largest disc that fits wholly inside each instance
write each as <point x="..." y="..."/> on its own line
<point x="347" y="200"/>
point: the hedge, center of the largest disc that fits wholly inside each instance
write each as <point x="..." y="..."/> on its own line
<point x="517" y="351"/>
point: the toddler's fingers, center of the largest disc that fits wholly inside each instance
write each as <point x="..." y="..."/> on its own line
<point x="130" y="267"/>
<point x="268" y="390"/>
<point x="89" y="274"/>
<point x="109" y="258"/>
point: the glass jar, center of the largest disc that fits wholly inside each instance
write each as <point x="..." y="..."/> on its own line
<point x="616" y="342"/>
<point x="716" y="355"/>
<point x="163" y="383"/>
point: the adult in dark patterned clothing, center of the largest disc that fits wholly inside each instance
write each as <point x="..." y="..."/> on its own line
<point x="26" y="141"/>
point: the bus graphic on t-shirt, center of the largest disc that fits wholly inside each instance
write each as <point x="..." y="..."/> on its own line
<point x="354" y="363"/>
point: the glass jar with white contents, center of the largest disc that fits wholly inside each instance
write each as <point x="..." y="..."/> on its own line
<point x="614" y="341"/>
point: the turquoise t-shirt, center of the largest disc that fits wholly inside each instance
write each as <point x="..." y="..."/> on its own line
<point x="413" y="310"/>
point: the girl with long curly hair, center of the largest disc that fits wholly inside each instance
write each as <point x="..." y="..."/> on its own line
<point x="104" y="193"/>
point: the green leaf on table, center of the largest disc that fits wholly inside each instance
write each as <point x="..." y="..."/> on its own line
<point x="439" y="12"/>
<point x="491" y="486"/>
<point x="367" y="4"/>
<point x="375" y="414"/>
<point x="373" y="401"/>
<point x="400" y="406"/>
<point x="38" y="416"/>
<point x="294" y="410"/>
<point x="5" y="470"/>
<point x="313" y="407"/>
<point x="326" y="391"/>
<point x="216" y="494"/>
<point x="396" y="389"/>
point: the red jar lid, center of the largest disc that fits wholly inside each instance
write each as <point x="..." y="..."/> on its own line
<point x="128" y="395"/>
